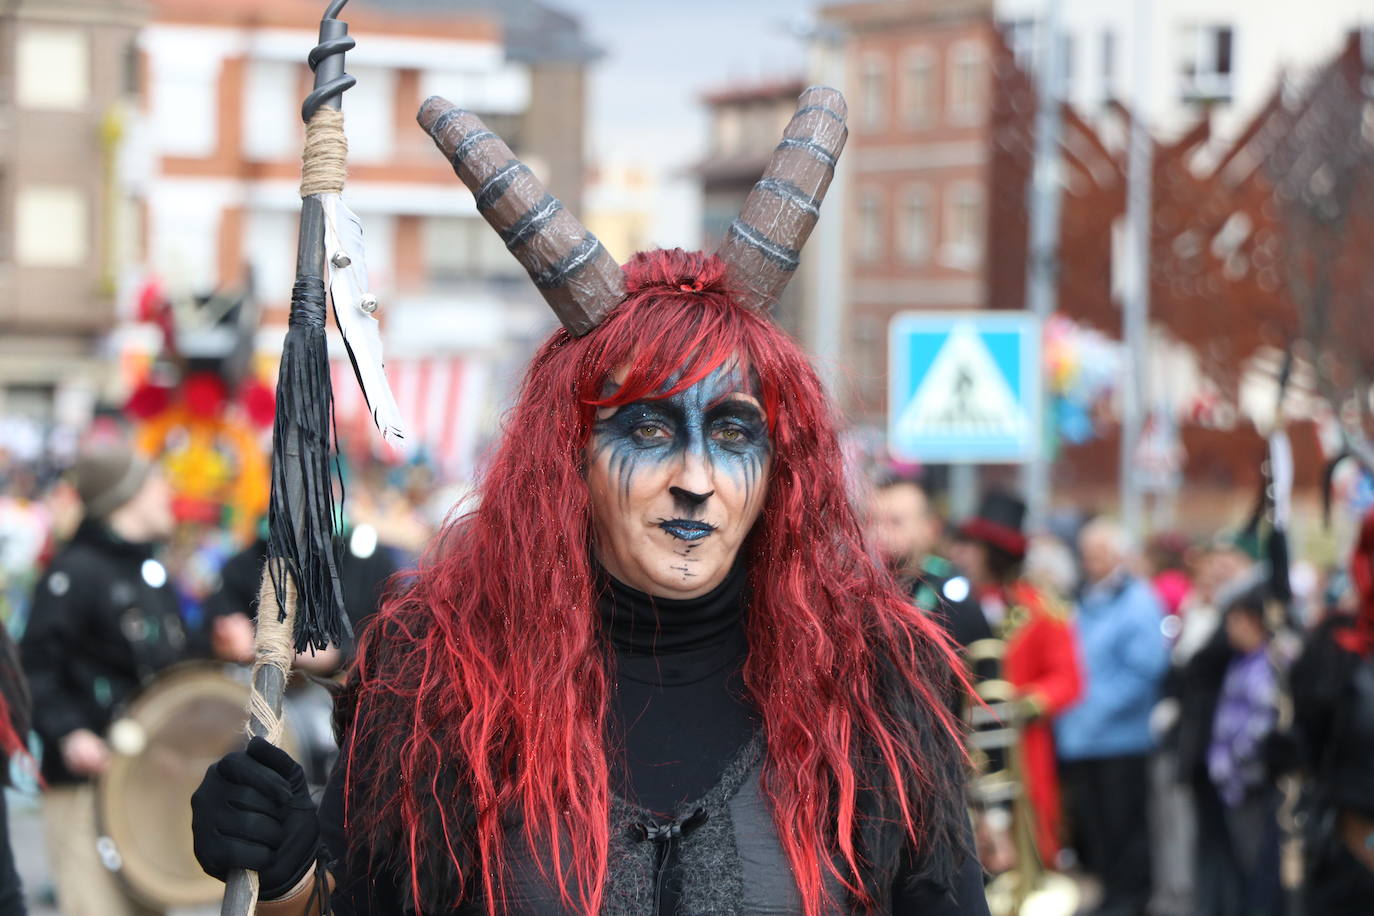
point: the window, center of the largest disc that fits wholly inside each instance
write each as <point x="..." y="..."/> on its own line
<point x="1206" y="66"/>
<point x="963" y="225"/>
<point x="132" y="65"/>
<point x="1108" y="65"/>
<point x="1067" y="46"/>
<point x="52" y="69"/>
<point x="371" y="119"/>
<point x="185" y="103"/>
<point x="492" y="258"/>
<point x="270" y="110"/>
<point x="510" y="128"/>
<point x="728" y="130"/>
<point x="1020" y="37"/>
<point x="270" y="242"/>
<point x="50" y="226"/>
<point x="760" y="128"/>
<point x="870" y="234"/>
<point x="873" y="92"/>
<point x="966" y="65"/>
<point x="918" y="87"/>
<point x="461" y="248"/>
<point x="478" y="87"/>
<point x="915" y="223"/>
<point x="450" y="244"/>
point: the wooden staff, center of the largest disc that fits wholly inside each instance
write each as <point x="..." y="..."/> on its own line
<point x="300" y="601"/>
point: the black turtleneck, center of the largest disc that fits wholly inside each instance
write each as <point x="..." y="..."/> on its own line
<point x="679" y="711"/>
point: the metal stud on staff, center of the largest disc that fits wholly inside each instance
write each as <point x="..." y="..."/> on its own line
<point x="300" y="602"/>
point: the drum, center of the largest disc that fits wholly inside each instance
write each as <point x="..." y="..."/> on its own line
<point x="188" y="718"/>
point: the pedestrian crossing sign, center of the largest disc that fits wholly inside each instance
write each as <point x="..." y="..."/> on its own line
<point x="964" y="387"/>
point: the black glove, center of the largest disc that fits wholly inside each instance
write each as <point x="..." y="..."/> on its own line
<point x="253" y="810"/>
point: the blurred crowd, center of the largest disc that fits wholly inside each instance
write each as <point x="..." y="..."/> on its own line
<point x="106" y="589"/>
<point x="1193" y="719"/>
<point x="1210" y="706"/>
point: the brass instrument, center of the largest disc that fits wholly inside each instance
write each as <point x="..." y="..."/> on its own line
<point x="998" y="787"/>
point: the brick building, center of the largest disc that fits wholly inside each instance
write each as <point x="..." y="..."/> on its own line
<point x="939" y="157"/>
<point x="67" y="71"/>
<point x="224" y="85"/>
<point x="745" y="124"/>
<point x="218" y="149"/>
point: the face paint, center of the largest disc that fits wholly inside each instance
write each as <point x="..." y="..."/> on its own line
<point x="677" y="483"/>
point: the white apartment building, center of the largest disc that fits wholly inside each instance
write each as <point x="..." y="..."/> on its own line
<point x="1225" y="54"/>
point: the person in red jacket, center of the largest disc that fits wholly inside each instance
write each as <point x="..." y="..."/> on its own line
<point x="1041" y="661"/>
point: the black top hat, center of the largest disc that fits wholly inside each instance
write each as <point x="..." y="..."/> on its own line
<point x="999" y="522"/>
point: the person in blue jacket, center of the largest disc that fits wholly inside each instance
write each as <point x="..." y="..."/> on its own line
<point x="1104" y="741"/>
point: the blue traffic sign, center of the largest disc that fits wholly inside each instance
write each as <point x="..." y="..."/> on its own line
<point x="964" y="387"/>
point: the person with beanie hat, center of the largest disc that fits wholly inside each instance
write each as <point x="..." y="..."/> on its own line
<point x="104" y="621"/>
<point x="107" y="478"/>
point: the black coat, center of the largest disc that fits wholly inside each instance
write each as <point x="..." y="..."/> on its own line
<point x="1197" y="685"/>
<point x="105" y="619"/>
<point x="363" y="580"/>
<point x="1333" y="717"/>
<point x="943" y="592"/>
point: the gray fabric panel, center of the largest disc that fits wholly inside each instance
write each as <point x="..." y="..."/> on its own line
<point x="769" y="889"/>
<point x="712" y="882"/>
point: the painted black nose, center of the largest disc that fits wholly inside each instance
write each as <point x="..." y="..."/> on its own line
<point x="689" y="500"/>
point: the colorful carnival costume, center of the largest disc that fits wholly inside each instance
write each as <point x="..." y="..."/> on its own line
<point x="1041" y="661"/>
<point x="655" y="670"/>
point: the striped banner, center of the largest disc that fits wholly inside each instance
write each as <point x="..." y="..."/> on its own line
<point x="442" y="401"/>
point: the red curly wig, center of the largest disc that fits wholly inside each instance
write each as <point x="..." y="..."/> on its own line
<point x="479" y="698"/>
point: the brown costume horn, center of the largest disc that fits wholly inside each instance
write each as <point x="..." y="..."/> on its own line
<point x="763" y="246"/>
<point x="573" y="271"/>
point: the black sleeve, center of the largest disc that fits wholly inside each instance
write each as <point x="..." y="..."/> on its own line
<point x="239" y="580"/>
<point x="356" y="893"/>
<point x="968" y="622"/>
<point x="928" y="898"/>
<point x="57" y="618"/>
<point x="365" y="580"/>
<point x="1317" y="681"/>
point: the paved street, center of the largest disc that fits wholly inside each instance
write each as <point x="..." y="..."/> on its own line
<point x="26" y="836"/>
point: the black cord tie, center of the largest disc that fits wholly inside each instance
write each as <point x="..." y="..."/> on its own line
<point x="665" y="838"/>
<point x="307" y="303"/>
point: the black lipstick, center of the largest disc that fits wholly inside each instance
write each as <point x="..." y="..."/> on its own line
<point x="686" y="529"/>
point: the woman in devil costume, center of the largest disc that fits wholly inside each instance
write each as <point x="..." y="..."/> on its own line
<point x="655" y="671"/>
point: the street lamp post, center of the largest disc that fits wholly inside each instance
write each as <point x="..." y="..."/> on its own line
<point x="1135" y="303"/>
<point x="1042" y="267"/>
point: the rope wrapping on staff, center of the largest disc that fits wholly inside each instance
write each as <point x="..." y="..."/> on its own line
<point x="324" y="162"/>
<point x="273" y="650"/>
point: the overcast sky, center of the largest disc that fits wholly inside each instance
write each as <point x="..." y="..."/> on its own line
<point x="659" y="57"/>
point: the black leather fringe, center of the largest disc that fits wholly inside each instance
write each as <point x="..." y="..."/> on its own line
<point x="302" y="517"/>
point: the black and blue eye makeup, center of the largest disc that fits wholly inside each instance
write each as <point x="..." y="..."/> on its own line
<point x="712" y="419"/>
